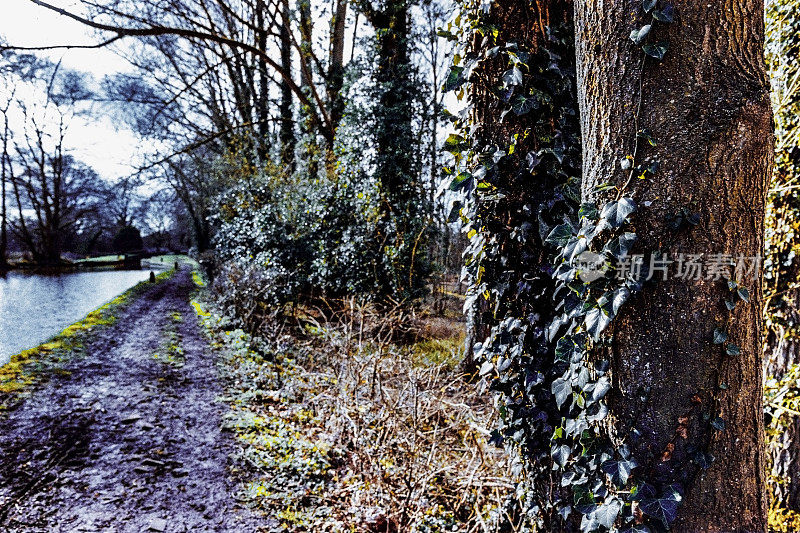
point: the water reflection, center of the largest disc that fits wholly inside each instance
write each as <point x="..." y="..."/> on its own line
<point x="34" y="307"/>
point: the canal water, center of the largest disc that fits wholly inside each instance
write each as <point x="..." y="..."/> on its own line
<point x="34" y="307"/>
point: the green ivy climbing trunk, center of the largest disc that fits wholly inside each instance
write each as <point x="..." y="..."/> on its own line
<point x="538" y="198"/>
<point x="524" y="159"/>
<point x="707" y="108"/>
<point x="403" y="214"/>
<point x="782" y="310"/>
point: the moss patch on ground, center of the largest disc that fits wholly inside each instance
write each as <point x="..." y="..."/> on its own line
<point x="282" y="446"/>
<point x="170" y="350"/>
<point x="32" y="367"/>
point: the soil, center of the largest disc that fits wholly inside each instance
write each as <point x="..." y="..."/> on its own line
<point x="121" y="440"/>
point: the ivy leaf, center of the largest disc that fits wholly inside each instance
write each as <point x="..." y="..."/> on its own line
<point x="664" y="509"/>
<point x="718" y="423"/>
<point x="561" y="389"/>
<point x="560" y="235"/>
<point x="732" y="349"/>
<point x="523" y="105"/>
<point x="703" y="459"/>
<point x="560" y="454"/>
<point x="732" y="285"/>
<point x="600" y="389"/>
<point x="644" y="491"/>
<point x="619" y="298"/>
<point x="720" y="336"/>
<point x="588" y="210"/>
<point x="486" y="367"/>
<point x="657" y="50"/>
<point x="512" y="77"/>
<point x="533" y="379"/>
<point x="455" y="144"/>
<point x="460" y="181"/>
<point x="596" y="322"/>
<point x="621" y="245"/>
<point x="730" y="305"/>
<point x="744" y="294"/>
<point x="568" y="351"/>
<point x="665" y="14"/>
<point x="455" y="78"/>
<point x="596" y="412"/>
<point x="647" y="135"/>
<point x="607" y="513"/>
<point x="564" y="510"/>
<point x="619" y="471"/>
<point x="648" y="5"/>
<point x="637" y="36"/>
<point x="616" y="212"/>
<point x="586" y="508"/>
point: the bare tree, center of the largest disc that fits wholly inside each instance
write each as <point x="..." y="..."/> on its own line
<point x="54" y="193"/>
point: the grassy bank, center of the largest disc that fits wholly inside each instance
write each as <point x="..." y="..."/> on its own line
<point x="341" y="428"/>
<point x="32" y="367"/>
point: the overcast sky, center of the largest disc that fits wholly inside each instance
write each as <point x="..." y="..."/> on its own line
<point x="109" y="150"/>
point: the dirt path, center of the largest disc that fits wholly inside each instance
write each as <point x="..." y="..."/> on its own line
<point x="124" y="441"/>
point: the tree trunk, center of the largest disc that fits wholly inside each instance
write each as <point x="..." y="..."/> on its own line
<point x="311" y="150"/>
<point x="287" y="116"/>
<point x="782" y="354"/>
<point x="782" y="351"/>
<point x="3" y="199"/>
<point x="707" y="104"/>
<point x="403" y="210"/>
<point x="262" y="100"/>
<point x="335" y="80"/>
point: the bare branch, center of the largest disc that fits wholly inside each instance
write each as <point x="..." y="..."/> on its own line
<point x="155" y="30"/>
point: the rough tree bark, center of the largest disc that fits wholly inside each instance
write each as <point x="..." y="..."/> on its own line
<point x="262" y="103"/>
<point x="335" y="79"/>
<point x="708" y="106"/>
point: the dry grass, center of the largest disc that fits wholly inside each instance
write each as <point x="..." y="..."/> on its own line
<point x="355" y="420"/>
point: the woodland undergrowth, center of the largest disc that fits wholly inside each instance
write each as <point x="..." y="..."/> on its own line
<point x="354" y="418"/>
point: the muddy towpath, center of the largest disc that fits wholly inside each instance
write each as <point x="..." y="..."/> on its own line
<point x="128" y="437"/>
